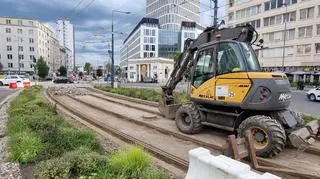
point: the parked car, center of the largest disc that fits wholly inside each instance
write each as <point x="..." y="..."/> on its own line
<point x="314" y="94"/>
<point x="10" y="78"/>
<point x="62" y="79"/>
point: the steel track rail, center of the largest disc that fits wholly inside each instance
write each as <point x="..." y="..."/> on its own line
<point x="162" y="130"/>
<point x="157" y="152"/>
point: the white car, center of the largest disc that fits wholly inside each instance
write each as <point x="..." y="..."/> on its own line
<point x="10" y="78"/>
<point x="314" y="94"/>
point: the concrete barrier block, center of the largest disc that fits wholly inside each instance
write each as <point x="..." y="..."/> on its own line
<point x="203" y="165"/>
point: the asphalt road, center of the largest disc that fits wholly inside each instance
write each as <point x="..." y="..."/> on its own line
<point x="301" y="103"/>
<point x="5" y="91"/>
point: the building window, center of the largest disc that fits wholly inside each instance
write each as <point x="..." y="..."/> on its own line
<point x="19" y="22"/>
<point x="318" y="29"/>
<point x="21" y="65"/>
<point x="277" y="52"/>
<point x="146" y="32"/>
<point x="30" y="32"/>
<point x="145" y="40"/>
<point x="307" y="13"/>
<point x="8" y="30"/>
<point x="20" y="48"/>
<point x="21" y="57"/>
<point x="32" y="49"/>
<point x="231" y="14"/>
<point x="10" y="65"/>
<point x="31" y="57"/>
<point x="153" y="32"/>
<point x="305" y="32"/>
<point x="30" y="23"/>
<point x="9" y="48"/>
<point x="145" y="54"/>
<point x="151" y="54"/>
<point x="31" y="40"/>
<point x="131" y="75"/>
<point x="8" y="21"/>
<point x="19" y="31"/>
<point x="8" y="39"/>
<point x="317" y="45"/>
<point x="9" y="56"/>
<point x="304" y="49"/>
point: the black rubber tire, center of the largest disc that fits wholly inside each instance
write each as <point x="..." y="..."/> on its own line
<point x="274" y="130"/>
<point x="1" y="84"/>
<point x="193" y="113"/>
<point x="312" y="97"/>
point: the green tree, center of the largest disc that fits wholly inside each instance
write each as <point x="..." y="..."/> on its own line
<point x="42" y="67"/>
<point x="117" y="70"/>
<point x="176" y="57"/>
<point x="87" y="67"/>
<point x="63" y="71"/>
<point x="108" y="67"/>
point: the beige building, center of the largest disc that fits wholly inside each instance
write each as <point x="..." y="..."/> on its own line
<point x="271" y="18"/>
<point x="23" y="40"/>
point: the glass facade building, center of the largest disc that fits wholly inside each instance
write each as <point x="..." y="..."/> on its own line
<point x="169" y="42"/>
<point x="172" y="12"/>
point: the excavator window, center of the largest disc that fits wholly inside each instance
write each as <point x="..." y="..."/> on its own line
<point x="229" y="58"/>
<point x="204" y="69"/>
<point x="250" y="57"/>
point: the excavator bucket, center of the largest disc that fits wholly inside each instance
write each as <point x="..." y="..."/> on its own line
<point x="169" y="111"/>
<point x="306" y="135"/>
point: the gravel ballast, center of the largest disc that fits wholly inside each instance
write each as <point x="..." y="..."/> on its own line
<point x="7" y="170"/>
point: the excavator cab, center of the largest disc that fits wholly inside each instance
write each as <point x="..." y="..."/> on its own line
<point x="229" y="91"/>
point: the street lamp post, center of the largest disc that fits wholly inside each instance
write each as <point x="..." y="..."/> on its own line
<point x="112" y="48"/>
<point x="284" y="35"/>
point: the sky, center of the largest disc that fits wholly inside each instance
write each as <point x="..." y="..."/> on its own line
<point x="92" y="21"/>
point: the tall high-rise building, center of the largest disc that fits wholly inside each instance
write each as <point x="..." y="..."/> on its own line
<point x="290" y="29"/>
<point x="171" y="13"/>
<point x="65" y="36"/>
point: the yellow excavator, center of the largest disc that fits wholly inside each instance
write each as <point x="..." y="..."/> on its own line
<point x="229" y="91"/>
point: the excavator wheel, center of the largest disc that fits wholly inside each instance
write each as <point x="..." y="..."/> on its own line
<point x="188" y="119"/>
<point x="268" y="135"/>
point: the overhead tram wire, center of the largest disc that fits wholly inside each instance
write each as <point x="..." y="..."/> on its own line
<point x="74" y="8"/>
<point x="88" y="5"/>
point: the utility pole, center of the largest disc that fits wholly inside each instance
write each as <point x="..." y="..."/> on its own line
<point x="284" y="35"/>
<point x="215" y="16"/>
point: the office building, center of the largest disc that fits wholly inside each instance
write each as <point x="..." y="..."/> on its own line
<point x="148" y="51"/>
<point x="24" y="40"/>
<point x="65" y="36"/>
<point x="172" y="13"/>
<point x="298" y="49"/>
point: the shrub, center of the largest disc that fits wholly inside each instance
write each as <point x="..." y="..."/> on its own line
<point x="54" y="168"/>
<point x="72" y="164"/>
<point x="18" y="125"/>
<point x="25" y="147"/>
<point x="129" y="163"/>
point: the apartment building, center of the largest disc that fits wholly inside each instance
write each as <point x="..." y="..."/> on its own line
<point x="24" y="40"/>
<point x="290" y="29"/>
<point x="171" y="13"/>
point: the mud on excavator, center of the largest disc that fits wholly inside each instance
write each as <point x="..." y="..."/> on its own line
<point x="229" y="91"/>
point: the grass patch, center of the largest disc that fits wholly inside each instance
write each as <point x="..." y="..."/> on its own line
<point x="145" y="94"/>
<point x="308" y="118"/>
<point x="38" y="136"/>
